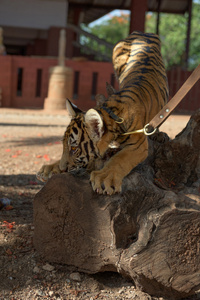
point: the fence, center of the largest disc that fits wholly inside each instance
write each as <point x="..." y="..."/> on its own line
<point x="24" y="82"/>
<point x="176" y="78"/>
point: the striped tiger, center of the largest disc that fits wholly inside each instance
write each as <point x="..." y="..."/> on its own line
<point x="143" y="91"/>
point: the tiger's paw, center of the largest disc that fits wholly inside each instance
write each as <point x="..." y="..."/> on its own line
<point x="47" y="171"/>
<point x="106" y="182"/>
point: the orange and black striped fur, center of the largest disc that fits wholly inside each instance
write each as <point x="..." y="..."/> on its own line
<point x="143" y="91"/>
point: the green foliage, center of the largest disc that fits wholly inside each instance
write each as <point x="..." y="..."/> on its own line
<point x="112" y="30"/>
<point x="194" y="58"/>
<point x="172" y="31"/>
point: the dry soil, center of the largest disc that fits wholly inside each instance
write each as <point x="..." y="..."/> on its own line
<point x="30" y="138"/>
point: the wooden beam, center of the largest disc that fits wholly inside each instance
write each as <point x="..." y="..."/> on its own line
<point x="138" y="10"/>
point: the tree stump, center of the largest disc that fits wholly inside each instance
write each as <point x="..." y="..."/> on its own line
<point x="149" y="233"/>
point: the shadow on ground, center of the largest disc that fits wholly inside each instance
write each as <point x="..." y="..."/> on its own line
<point x="31" y="125"/>
<point x="34" y="141"/>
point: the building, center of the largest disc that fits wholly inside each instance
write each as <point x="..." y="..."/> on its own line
<point x="31" y="32"/>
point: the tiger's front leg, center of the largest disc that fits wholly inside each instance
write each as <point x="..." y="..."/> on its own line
<point x="47" y="171"/>
<point x="109" y="179"/>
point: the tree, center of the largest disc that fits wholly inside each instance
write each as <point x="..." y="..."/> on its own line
<point x="172" y="29"/>
<point x="194" y="57"/>
<point x="112" y="30"/>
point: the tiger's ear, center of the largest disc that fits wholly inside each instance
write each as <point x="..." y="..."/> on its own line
<point x="110" y="89"/>
<point x="100" y="99"/>
<point x="72" y="108"/>
<point x="94" y="124"/>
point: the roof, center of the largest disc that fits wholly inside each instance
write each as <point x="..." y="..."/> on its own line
<point x="94" y="9"/>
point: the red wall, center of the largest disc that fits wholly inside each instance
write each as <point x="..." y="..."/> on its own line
<point x="6" y="80"/>
<point x="176" y="78"/>
<point x="9" y="66"/>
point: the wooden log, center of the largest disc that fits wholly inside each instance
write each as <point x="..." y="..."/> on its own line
<point x="149" y="233"/>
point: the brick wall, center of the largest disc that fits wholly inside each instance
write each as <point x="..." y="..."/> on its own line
<point x="24" y="82"/>
<point x="39" y="47"/>
<point x="6" y="80"/>
<point x="18" y="80"/>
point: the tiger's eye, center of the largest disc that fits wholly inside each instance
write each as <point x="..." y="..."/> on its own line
<point x="73" y="148"/>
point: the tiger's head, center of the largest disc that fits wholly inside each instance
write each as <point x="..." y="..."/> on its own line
<point x="80" y="140"/>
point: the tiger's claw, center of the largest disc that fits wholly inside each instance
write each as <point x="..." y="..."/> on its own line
<point x="107" y="183"/>
<point x="47" y="171"/>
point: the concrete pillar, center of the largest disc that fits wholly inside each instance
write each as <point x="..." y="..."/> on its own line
<point x="60" y="81"/>
<point x="62" y="47"/>
<point x="60" y="88"/>
<point x="138" y="10"/>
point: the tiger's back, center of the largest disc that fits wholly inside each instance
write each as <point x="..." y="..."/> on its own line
<point x="139" y="67"/>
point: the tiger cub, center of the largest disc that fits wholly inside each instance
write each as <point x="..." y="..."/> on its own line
<point x="143" y="91"/>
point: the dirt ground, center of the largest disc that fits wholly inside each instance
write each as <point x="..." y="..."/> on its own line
<point x="28" y="140"/>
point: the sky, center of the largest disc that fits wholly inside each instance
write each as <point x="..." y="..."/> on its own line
<point x="116" y="12"/>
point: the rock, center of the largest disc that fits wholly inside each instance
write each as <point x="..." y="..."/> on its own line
<point x="48" y="267"/>
<point x="28" y="282"/>
<point x="36" y="270"/>
<point x="75" y="276"/>
<point x="50" y="293"/>
<point x="40" y="293"/>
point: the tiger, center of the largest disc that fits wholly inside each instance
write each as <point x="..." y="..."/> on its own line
<point x="143" y="91"/>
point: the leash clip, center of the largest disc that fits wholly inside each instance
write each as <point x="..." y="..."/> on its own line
<point x="143" y="130"/>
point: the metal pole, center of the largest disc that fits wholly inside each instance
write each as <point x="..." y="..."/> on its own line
<point x="158" y="17"/>
<point x="67" y="10"/>
<point x="188" y="33"/>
